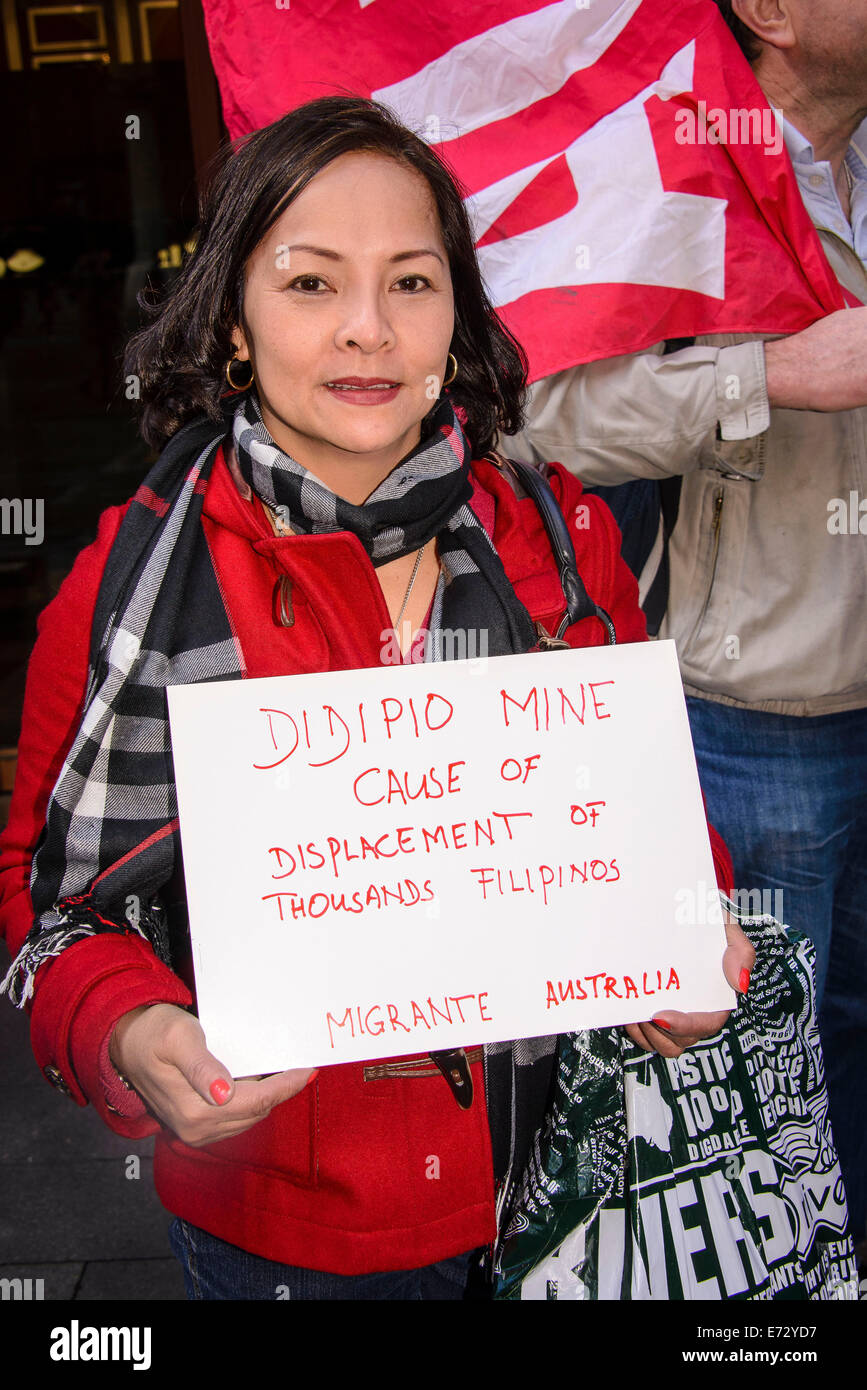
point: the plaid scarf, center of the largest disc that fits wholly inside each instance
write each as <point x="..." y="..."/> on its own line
<point x="111" y="828"/>
<point x="414" y="503"/>
<point x="426" y="495"/>
<point x="111" y="825"/>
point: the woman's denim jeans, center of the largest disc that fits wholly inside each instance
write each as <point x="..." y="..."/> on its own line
<point x="214" y="1269"/>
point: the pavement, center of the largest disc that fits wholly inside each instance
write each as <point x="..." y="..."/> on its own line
<point x="69" y="1214"/>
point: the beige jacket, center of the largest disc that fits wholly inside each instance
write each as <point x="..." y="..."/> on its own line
<point x="768" y="602"/>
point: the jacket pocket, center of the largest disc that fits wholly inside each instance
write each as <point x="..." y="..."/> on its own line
<point x="707" y="573"/>
<point x="285" y="1144"/>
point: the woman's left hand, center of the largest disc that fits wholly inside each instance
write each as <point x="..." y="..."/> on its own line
<point x="684" y="1030"/>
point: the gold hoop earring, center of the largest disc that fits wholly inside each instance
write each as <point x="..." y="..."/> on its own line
<point x="451" y="358"/>
<point x="247" y="384"/>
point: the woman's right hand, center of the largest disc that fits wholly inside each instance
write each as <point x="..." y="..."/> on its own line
<point x="161" y="1051"/>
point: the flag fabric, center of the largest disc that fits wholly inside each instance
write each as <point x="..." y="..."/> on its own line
<point x="626" y="178"/>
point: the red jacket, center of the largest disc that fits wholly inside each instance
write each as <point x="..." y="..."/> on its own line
<point x="338" y="1178"/>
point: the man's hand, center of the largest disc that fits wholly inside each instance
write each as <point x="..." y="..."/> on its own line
<point x="161" y="1051"/>
<point x="684" y="1030"/>
<point x="822" y="368"/>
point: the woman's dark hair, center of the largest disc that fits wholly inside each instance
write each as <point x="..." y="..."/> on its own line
<point x="750" y="45"/>
<point x="180" y="358"/>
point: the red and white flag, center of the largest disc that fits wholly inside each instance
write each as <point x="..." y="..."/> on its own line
<point x="626" y="178"/>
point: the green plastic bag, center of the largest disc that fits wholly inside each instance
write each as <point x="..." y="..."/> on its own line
<point x="708" y="1176"/>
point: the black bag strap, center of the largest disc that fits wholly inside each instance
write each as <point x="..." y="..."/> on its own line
<point x="452" y="1063"/>
<point x="579" y="604"/>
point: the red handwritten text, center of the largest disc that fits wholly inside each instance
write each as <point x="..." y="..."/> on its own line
<point x="543" y="706"/>
<point x="337" y="854"/>
<point x="539" y="878"/>
<point x="404" y="893"/>
<point x="329" y="736"/>
<point x="605" y="986"/>
<point x="373" y="786"/>
<point x="361" y="1019"/>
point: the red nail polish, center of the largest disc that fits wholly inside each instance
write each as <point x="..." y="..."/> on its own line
<point x="311" y="1078"/>
<point x="661" y="1023"/>
<point x="220" y="1090"/>
<point x="744" y="980"/>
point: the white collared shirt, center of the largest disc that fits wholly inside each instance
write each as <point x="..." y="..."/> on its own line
<point x="816" y="182"/>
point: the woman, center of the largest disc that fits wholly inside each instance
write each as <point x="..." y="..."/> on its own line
<point x="319" y="370"/>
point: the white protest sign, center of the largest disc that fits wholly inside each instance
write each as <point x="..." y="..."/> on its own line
<point x="392" y="860"/>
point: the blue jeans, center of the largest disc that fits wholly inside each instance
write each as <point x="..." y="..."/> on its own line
<point x="213" y="1269"/>
<point x="789" y="797"/>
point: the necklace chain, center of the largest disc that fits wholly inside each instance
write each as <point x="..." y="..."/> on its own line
<point x="849" y="180"/>
<point x="412" y="580"/>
